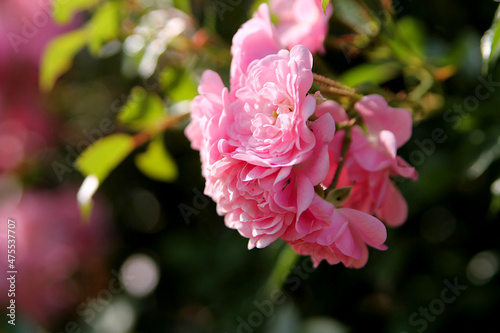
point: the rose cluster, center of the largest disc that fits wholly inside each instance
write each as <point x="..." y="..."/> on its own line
<point x="280" y="161"/>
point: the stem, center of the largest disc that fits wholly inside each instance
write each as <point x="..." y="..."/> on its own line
<point x="286" y="261"/>
<point x="331" y="83"/>
<point x="345" y="147"/>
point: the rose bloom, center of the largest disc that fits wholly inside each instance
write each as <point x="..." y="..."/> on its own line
<point x="372" y="158"/>
<point x="302" y="22"/>
<point x="59" y="258"/>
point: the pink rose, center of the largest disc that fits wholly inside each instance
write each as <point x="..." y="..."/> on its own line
<point x="344" y="240"/>
<point x="302" y="22"/>
<point x="255" y="39"/>
<point x="268" y="121"/>
<point x="372" y="158"/>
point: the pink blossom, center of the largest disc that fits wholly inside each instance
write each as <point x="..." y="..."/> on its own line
<point x="255" y="39"/>
<point x="268" y="119"/>
<point x="302" y="22"/>
<point x="372" y="158"/>
<point x="344" y="240"/>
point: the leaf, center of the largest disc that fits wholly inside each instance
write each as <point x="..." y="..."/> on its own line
<point x="103" y="156"/>
<point x="411" y="32"/>
<point x="490" y="43"/>
<point x="373" y="73"/>
<point x="184" y="5"/>
<point x="104" y="26"/>
<point x="143" y="109"/>
<point x="339" y="195"/>
<point x="63" y="11"/>
<point x="156" y="162"/>
<point x="325" y="3"/>
<point x="179" y="85"/>
<point x="58" y="57"/>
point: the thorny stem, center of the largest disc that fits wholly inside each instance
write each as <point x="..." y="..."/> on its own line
<point x="330" y="86"/>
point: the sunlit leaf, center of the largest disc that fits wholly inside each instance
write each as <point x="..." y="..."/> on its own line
<point x="104" y="26"/>
<point x="58" y="57"/>
<point x="490" y="43"/>
<point x="156" y="162"/>
<point x="325" y="3"/>
<point x="184" y="5"/>
<point x="373" y="73"/>
<point x="179" y="85"/>
<point x="103" y="156"/>
<point x="143" y="109"/>
<point x="63" y="11"/>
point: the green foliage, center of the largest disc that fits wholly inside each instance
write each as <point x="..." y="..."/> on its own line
<point x="325" y="3"/>
<point x="143" y="109"/>
<point x="104" y="26"/>
<point x="103" y="156"/>
<point x="373" y="73"/>
<point x="179" y="84"/>
<point x="63" y="11"/>
<point x="58" y="57"/>
<point x="490" y="43"/>
<point x="156" y="162"/>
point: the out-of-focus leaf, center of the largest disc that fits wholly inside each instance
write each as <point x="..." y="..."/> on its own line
<point x="490" y="43"/>
<point x="412" y="33"/>
<point x="143" y="109"/>
<point x="373" y="73"/>
<point x="156" y="162"/>
<point x="179" y="85"/>
<point x="103" y="156"/>
<point x="104" y="26"/>
<point x="325" y="3"/>
<point x="58" y="56"/>
<point x="355" y="16"/>
<point x="323" y="325"/>
<point x="484" y="161"/>
<point x="63" y="11"/>
<point x="184" y="5"/>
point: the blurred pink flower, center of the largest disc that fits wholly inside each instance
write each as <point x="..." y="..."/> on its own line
<point x="26" y="127"/>
<point x="302" y="22"/>
<point x="59" y="257"/>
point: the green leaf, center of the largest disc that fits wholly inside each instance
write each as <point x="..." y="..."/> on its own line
<point x="103" y="156"/>
<point x="339" y="195"/>
<point x="411" y="32"/>
<point x="325" y="3"/>
<point x="490" y="43"/>
<point x="58" y="57"/>
<point x="355" y="16"/>
<point x="373" y="73"/>
<point x="104" y="26"/>
<point x="156" y="162"/>
<point x="143" y="109"/>
<point x="184" y="5"/>
<point x="63" y="11"/>
<point x="179" y="85"/>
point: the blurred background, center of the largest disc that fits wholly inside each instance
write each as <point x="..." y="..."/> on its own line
<point x="140" y="249"/>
